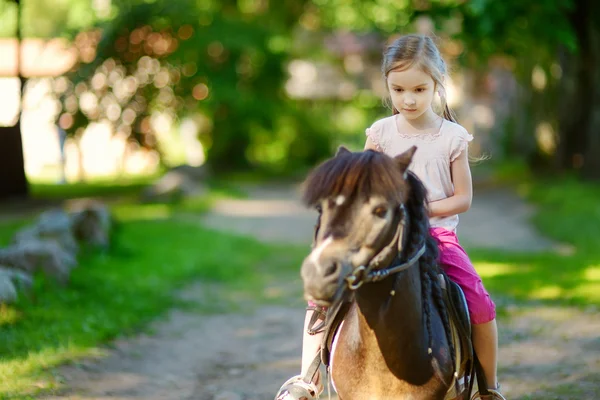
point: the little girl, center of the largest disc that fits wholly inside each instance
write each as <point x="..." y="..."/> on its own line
<point x="414" y="71"/>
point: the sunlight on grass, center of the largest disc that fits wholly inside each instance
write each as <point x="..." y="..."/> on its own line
<point x="568" y="212"/>
<point x="592" y="273"/>
<point x="8" y="315"/>
<point x="547" y="292"/>
<point x="129" y="212"/>
<point x="590" y="291"/>
<point x="488" y="269"/>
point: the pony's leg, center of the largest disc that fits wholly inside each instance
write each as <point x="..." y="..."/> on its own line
<point x="485" y="341"/>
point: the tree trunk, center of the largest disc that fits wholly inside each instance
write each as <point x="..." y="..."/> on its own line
<point x="13" y="182"/>
<point x="579" y="108"/>
<point x="591" y="165"/>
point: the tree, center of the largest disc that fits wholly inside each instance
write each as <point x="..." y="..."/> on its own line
<point x="557" y="38"/>
<point x="579" y="108"/>
<point x="13" y="182"/>
<point x="23" y="19"/>
<point x="220" y="62"/>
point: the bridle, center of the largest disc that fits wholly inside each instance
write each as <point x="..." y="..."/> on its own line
<point x="362" y="274"/>
<point x="393" y="251"/>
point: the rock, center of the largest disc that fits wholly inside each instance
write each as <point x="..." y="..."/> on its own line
<point x="8" y="292"/>
<point x="34" y="254"/>
<point x="182" y="181"/>
<point x="91" y="223"/>
<point x="20" y="278"/>
<point x="196" y="173"/>
<point x="10" y="280"/>
<point x="54" y="225"/>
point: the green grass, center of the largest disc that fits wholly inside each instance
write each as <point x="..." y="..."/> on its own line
<point x="568" y="212"/>
<point x="158" y="248"/>
<point x="115" y="293"/>
<point x="97" y="188"/>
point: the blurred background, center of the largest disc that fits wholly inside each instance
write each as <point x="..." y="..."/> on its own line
<point x="150" y="152"/>
<point x="102" y="89"/>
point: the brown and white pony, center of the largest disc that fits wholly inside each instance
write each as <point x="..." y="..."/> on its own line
<point x="372" y="249"/>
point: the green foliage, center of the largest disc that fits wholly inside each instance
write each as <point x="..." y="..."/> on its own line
<point x="46" y="19"/>
<point x="516" y="28"/>
<point x="8" y="18"/>
<point x="220" y="63"/>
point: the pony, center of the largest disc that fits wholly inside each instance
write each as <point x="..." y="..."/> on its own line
<point x="373" y="266"/>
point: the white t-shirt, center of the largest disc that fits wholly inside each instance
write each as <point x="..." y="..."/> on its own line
<point x="431" y="162"/>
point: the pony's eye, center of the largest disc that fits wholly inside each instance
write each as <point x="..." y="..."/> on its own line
<point x="380" y="211"/>
<point x="319" y="209"/>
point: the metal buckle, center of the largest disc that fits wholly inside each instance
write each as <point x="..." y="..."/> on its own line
<point x="356" y="278"/>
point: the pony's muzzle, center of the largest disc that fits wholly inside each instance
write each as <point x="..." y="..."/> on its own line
<point x="321" y="280"/>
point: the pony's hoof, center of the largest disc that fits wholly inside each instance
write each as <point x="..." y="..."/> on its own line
<point x="296" y="388"/>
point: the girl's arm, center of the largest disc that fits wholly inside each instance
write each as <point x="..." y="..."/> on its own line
<point x="463" y="190"/>
<point x="369" y="145"/>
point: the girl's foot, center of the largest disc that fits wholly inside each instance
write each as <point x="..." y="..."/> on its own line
<point x="296" y="388"/>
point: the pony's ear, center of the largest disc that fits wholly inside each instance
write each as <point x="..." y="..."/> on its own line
<point x="403" y="160"/>
<point x="341" y="151"/>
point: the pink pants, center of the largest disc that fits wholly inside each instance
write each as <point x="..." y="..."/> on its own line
<point x="457" y="265"/>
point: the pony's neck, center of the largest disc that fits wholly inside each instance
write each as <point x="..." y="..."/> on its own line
<point x="390" y="316"/>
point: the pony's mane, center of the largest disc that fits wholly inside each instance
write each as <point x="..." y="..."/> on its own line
<point x="365" y="174"/>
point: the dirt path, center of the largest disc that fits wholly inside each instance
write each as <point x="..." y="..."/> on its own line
<point x="546" y="353"/>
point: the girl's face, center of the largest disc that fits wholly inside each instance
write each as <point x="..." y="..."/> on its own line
<point x="411" y="91"/>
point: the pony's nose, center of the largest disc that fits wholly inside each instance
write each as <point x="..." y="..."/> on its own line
<point x="331" y="269"/>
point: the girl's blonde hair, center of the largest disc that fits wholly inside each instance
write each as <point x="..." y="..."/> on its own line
<point x="419" y="51"/>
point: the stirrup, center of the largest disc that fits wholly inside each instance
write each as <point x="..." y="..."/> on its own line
<point x="296" y="388"/>
<point x="494" y="395"/>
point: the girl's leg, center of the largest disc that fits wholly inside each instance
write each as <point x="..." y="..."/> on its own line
<point x="457" y="265"/>
<point x="311" y="344"/>
<point x="485" y="341"/>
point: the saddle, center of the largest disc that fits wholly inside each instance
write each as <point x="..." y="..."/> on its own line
<point x="460" y="332"/>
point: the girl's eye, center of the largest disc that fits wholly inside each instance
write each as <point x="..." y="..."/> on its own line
<point x="399" y="90"/>
<point x="420" y="90"/>
<point x="380" y="211"/>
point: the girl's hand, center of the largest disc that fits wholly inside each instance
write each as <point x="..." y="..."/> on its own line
<point x="369" y="145"/>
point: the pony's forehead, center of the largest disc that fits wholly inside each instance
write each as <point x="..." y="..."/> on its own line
<point x="362" y="198"/>
<point x="354" y="177"/>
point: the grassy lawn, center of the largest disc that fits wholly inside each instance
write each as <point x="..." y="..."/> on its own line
<point x="156" y="251"/>
<point x="160" y="247"/>
<point x="569" y="212"/>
